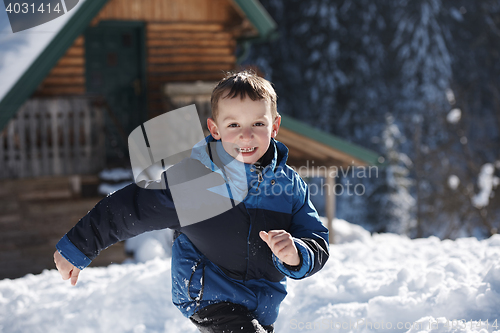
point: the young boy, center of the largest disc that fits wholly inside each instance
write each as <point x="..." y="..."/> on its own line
<point x="228" y="271"/>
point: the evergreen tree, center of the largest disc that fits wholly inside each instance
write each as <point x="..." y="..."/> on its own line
<point x="474" y="39"/>
<point x="400" y="203"/>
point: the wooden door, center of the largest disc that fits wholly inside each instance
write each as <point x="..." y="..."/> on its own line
<point x="115" y="71"/>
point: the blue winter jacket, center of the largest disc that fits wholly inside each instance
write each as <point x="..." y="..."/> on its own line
<point x="223" y="257"/>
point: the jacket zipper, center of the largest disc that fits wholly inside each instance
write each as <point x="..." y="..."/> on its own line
<point x="260" y="178"/>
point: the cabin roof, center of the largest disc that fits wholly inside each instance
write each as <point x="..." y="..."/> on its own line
<point x="325" y="148"/>
<point x="259" y="18"/>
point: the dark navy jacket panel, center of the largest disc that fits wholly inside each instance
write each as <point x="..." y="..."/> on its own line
<point x="222" y="235"/>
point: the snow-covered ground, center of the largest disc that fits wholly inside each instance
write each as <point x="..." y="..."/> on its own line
<point x="380" y="283"/>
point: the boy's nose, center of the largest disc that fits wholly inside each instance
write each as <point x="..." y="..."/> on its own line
<point x="246" y="133"/>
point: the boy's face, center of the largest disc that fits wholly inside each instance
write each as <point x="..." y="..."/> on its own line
<point x="245" y="127"/>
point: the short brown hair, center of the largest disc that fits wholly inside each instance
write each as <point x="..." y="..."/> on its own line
<point x="242" y="84"/>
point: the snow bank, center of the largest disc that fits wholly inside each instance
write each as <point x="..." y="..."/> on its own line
<point x="119" y="298"/>
<point x="382" y="283"/>
<point x="390" y="281"/>
<point x="346" y="232"/>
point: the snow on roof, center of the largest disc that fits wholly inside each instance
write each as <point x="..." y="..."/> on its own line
<point x="19" y="50"/>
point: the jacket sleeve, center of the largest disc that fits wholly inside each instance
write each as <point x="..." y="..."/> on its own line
<point x="310" y="235"/>
<point x="125" y="213"/>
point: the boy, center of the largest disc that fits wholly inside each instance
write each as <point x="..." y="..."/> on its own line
<point x="228" y="271"/>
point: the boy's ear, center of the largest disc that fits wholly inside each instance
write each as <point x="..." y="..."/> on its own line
<point x="276" y="126"/>
<point x="212" y="127"/>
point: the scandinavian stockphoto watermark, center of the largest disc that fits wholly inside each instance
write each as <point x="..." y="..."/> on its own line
<point x="363" y="324"/>
<point x="348" y="179"/>
<point x="351" y="184"/>
<point x="26" y="14"/>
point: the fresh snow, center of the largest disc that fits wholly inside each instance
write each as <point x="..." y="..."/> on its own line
<point x="118" y="178"/>
<point x="454" y="116"/>
<point x="453" y="182"/>
<point x="486" y="183"/>
<point x="150" y="245"/>
<point x="450" y="96"/>
<point x="116" y="174"/>
<point x="384" y="281"/>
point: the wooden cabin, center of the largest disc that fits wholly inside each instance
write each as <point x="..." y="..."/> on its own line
<point x="118" y="54"/>
<point x="67" y="109"/>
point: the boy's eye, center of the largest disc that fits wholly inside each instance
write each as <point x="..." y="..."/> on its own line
<point x="233" y="125"/>
<point x="259" y="124"/>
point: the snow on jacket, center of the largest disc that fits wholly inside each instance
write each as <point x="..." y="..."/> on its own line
<point x="223" y="257"/>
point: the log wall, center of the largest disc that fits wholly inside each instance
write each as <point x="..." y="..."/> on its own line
<point x="68" y="76"/>
<point x="186" y="52"/>
<point x="222" y="11"/>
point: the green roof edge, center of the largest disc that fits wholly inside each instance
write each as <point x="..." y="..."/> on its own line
<point x="260" y="18"/>
<point x="363" y="154"/>
<point x="47" y="59"/>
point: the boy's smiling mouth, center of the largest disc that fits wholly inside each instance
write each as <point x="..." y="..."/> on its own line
<point x="246" y="150"/>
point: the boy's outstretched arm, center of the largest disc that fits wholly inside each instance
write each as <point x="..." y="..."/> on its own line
<point x="125" y="213"/>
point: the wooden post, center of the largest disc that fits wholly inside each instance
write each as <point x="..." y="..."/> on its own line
<point x="44" y="140"/>
<point x="66" y="130"/>
<point x="21" y="148"/>
<point x="77" y="154"/>
<point x="99" y="143"/>
<point x="87" y="132"/>
<point x="11" y="149"/>
<point x="330" y="204"/>
<point x="34" y="129"/>
<point x="54" y="112"/>
<point x="3" y="173"/>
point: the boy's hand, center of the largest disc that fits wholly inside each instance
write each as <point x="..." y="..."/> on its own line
<point x="282" y="245"/>
<point x="66" y="269"/>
